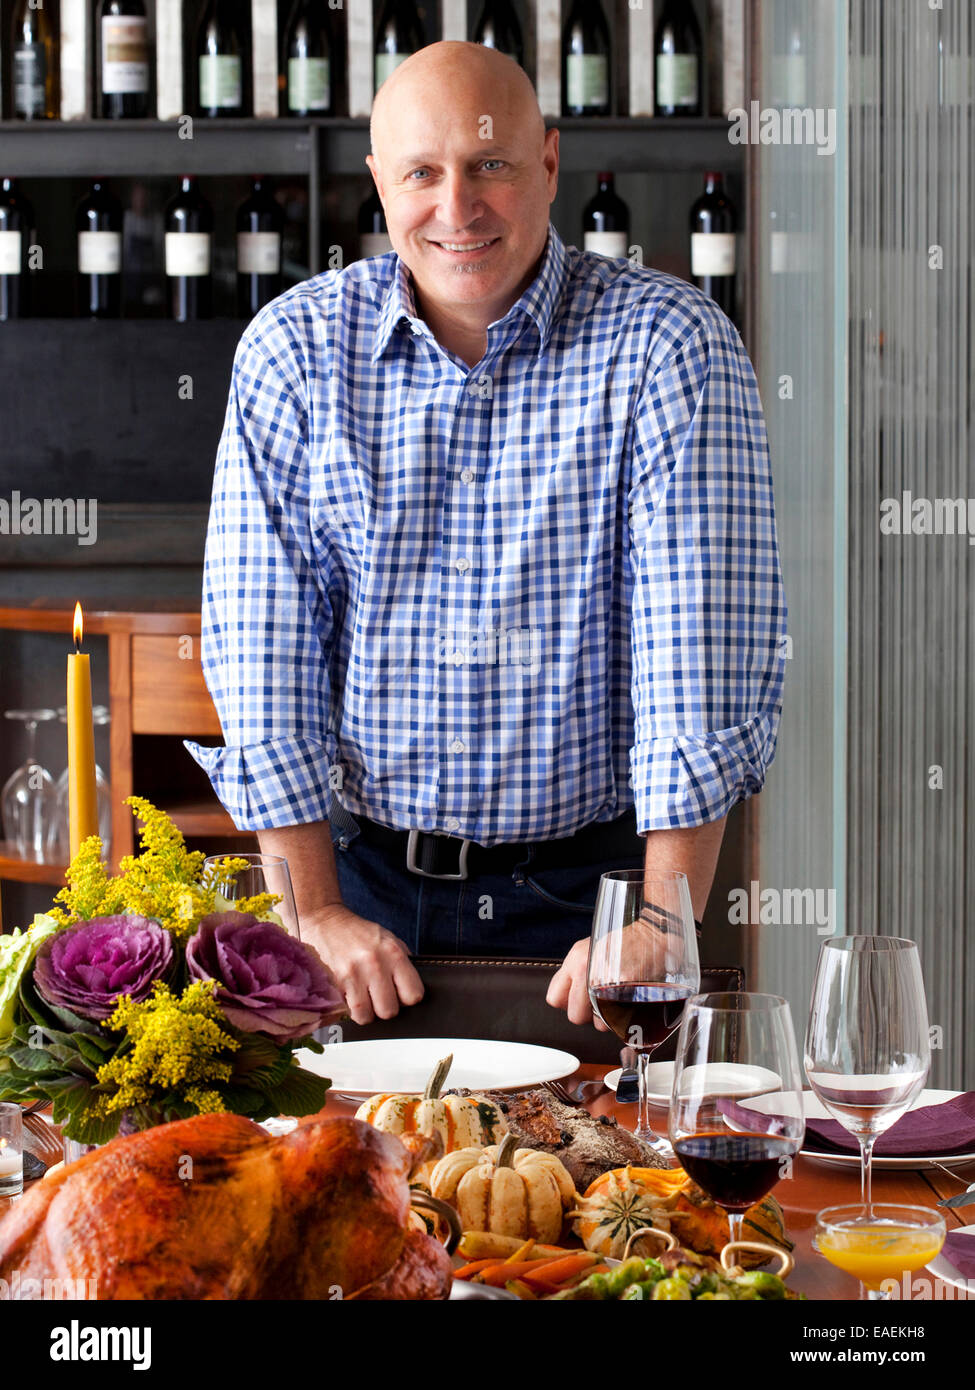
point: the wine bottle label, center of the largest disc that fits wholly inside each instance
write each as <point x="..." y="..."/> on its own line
<point x="607" y="243"/>
<point x="99" y="253"/>
<point x="308" y="84"/>
<point x="258" y="253"/>
<point x="779" y="252"/>
<point x="789" y="79"/>
<point x="677" y="79"/>
<point x="30" y="79"/>
<point x="187" y="253"/>
<point x="374" y="244"/>
<point x="125" y="55"/>
<point x="587" y="79"/>
<point x="387" y="63"/>
<point x="712" y="253"/>
<point x="10" y="262"/>
<point x="220" y="80"/>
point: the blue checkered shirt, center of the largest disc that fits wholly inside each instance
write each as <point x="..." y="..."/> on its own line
<point x="502" y="602"/>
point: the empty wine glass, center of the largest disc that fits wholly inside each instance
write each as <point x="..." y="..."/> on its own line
<point x="262" y="873"/>
<point x="100" y="716"/>
<point x="643" y="965"/>
<point x="867" y="1050"/>
<point x="29" y="799"/>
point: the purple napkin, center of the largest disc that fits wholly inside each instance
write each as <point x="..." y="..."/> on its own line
<point x="946" y="1128"/>
<point x="959" y="1250"/>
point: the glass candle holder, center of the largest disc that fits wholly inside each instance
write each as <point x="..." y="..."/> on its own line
<point x="11" y="1150"/>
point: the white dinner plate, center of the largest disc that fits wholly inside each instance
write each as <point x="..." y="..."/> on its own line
<point x="405" y="1064"/>
<point x="942" y="1269"/>
<point x="724" y="1078"/>
<point x="815" y="1109"/>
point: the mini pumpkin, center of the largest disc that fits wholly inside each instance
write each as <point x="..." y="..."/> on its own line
<point x="460" y="1121"/>
<point x="506" y="1190"/>
<point x="623" y="1200"/>
<point x="704" y="1227"/>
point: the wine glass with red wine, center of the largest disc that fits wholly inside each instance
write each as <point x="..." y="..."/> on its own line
<point x="643" y="965"/>
<point x="736" y="1117"/>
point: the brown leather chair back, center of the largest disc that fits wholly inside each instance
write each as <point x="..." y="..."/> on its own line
<point x="480" y="997"/>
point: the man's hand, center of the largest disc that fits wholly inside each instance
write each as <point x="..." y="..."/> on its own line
<point x="370" y="965"/>
<point x="569" y="987"/>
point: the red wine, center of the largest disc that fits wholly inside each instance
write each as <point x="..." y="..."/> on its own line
<point x="498" y="28"/>
<point x="124" y="59"/>
<point x="16" y="226"/>
<point x="308" y="55"/>
<point x="585" y="61"/>
<point x="260" y="223"/>
<point x="189" y="233"/>
<point x="677" y="61"/>
<point x="735" y="1170"/>
<point x="606" y="221"/>
<point x="652" y="1010"/>
<point x="713" y="224"/>
<point x="99" y="225"/>
<point x="399" y="34"/>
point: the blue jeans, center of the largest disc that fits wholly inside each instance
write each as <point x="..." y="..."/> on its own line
<point x="534" y="910"/>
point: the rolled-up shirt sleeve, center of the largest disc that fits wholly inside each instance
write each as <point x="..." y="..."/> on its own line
<point x="708" y="609"/>
<point x="267" y="622"/>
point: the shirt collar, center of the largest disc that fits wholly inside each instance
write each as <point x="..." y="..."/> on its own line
<point x="539" y="302"/>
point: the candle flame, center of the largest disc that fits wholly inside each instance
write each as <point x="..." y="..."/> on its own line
<point x="78" y="627"/>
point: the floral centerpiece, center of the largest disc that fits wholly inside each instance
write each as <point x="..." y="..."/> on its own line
<point x="140" y="999"/>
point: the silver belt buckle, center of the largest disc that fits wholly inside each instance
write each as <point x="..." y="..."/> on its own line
<point x="414" y="868"/>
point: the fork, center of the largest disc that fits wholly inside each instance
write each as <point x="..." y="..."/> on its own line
<point x="47" y="1144"/>
<point x="567" y="1097"/>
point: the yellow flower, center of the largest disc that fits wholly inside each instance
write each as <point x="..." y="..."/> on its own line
<point x="178" y="1046"/>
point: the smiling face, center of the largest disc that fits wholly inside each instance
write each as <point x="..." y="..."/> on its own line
<point x="466" y="175"/>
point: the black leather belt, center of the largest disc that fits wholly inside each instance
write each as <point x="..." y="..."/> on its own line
<point x="438" y="855"/>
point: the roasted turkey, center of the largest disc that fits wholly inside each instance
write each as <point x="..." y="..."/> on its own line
<point x="213" y="1208"/>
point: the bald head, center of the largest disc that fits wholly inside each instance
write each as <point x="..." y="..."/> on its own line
<point x="457" y="76"/>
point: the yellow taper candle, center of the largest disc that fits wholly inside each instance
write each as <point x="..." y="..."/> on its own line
<point x="82" y="793"/>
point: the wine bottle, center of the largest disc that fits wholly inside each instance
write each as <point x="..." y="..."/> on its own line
<point x="308" y="55"/>
<point x="585" y="61"/>
<point x="713" y="224"/>
<point x="398" y="34"/>
<point x="221" y="53"/>
<point x="124" y="59"/>
<point x="678" y="61"/>
<point x="789" y="67"/>
<point x="606" y="221"/>
<point x="35" y="63"/>
<point x="16" y="226"/>
<point x="373" y="234"/>
<point x="498" y="27"/>
<point x="260" y="224"/>
<point x="99" y="225"/>
<point x="189" y="233"/>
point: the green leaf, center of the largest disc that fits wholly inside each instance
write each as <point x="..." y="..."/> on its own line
<point x="300" y="1093"/>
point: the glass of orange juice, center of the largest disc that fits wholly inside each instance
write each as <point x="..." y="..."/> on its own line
<point x="878" y="1243"/>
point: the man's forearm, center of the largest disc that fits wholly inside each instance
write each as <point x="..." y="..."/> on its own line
<point x="693" y="852"/>
<point x="311" y="859"/>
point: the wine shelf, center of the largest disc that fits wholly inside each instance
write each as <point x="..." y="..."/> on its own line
<point x="332" y="145"/>
<point x="14" y="866"/>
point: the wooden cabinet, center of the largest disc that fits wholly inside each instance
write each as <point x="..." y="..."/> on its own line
<point x="157" y="696"/>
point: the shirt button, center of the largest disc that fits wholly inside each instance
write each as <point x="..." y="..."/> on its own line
<point x="456" y="746"/>
<point x="458" y="658"/>
<point x="467" y="476"/>
<point x="452" y="824"/>
<point x="463" y="564"/>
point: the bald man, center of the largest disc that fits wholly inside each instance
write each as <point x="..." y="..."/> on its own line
<point x="492" y="600"/>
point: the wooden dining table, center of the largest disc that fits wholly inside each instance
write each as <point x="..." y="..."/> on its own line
<point x="815" y="1184"/>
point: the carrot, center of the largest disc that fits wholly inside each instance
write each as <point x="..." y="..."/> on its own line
<point x="474" y="1267"/>
<point x="500" y="1273"/>
<point x="557" y="1271"/>
<point x="522" y="1290"/>
<point x="521" y="1253"/>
